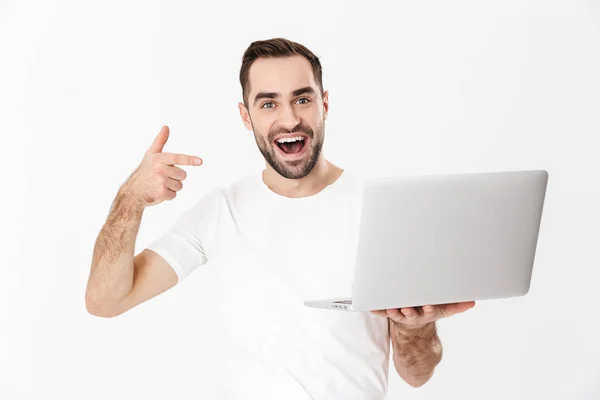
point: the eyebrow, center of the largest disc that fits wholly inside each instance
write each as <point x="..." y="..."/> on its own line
<point x="275" y="95"/>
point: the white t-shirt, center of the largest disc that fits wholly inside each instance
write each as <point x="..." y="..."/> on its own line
<point x="270" y="253"/>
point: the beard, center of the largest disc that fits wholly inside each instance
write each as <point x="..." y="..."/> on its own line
<point x="295" y="169"/>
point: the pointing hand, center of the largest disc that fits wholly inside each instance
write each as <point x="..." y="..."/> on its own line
<point x="157" y="178"/>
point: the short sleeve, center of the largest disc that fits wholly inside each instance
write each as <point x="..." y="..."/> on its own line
<point x="184" y="244"/>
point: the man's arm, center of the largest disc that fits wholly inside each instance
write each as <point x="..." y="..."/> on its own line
<point x="416" y="345"/>
<point x="119" y="281"/>
<point x="416" y="351"/>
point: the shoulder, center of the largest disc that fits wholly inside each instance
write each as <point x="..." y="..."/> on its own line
<point x="353" y="178"/>
<point x="351" y="183"/>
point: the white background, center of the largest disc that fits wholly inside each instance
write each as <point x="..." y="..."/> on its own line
<point x="415" y="87"/>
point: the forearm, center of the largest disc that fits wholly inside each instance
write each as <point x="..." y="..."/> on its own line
<point x="416" y="352"/>
<point x="112" y="270"/>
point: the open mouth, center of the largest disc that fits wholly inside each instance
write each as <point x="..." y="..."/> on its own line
<point x="292" y="146"/>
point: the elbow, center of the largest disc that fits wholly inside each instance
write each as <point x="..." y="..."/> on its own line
<point x="415" y="384"/>
<point x="418" y="381"/>
<point x="101" y="312"/>
<point x="100" y="309"/>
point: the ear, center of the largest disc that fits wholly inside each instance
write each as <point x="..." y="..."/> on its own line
<point x="325" y="104"/>
<point x="245" y="116"/>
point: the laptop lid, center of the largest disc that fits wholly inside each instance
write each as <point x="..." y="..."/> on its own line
<point x="436" y="239"/>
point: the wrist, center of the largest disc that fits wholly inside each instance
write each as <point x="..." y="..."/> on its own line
<point x="425" y="329"/>
<point x="128" y="198"/>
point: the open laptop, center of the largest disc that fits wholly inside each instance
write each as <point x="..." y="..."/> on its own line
<point x="438" y="239"/>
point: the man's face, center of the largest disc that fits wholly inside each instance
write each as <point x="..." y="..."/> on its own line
<point x="285" y="102"/>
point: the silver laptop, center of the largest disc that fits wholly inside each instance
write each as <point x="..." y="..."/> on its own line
<point x="437" y="239"/>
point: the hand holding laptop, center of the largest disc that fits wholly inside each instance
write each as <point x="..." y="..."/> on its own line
<point x="416" y="317"/>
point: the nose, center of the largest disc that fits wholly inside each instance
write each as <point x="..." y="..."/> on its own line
<point x="288" y="119"/>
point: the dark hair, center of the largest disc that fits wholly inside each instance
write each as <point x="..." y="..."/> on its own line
<point x="273" y="48"/>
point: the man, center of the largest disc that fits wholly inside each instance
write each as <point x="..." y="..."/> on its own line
<point x="274" y="239"/>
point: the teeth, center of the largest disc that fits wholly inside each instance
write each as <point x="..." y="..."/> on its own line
<point x="292" y="139"/>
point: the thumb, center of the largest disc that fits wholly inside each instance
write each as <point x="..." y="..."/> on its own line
<point x="160" y="140"/>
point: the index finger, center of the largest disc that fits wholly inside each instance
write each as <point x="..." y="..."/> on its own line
<point x="179" y="159"/>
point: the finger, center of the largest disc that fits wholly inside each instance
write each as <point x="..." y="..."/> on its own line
<point x="445" y="310"/>
<point x="395" y="314"/>
<point x="173" y="184"/>
<point x="179" y="159"/>
<point x="429" y="311"/>
<point x="380" y="313"/>
<point x="160" y="140"/>
<point x="410" y="313"/>
<point x="455" y="308"/>
<point x="463" y="306"/>
<point x="175" y="173"/>
<point x="171" y="194"/>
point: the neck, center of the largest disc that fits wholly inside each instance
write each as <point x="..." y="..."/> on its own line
<point x="323" y="174"/>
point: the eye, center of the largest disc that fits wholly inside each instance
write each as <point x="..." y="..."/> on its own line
<point x="307" y="100"/>
<point x="268" y="102"/>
